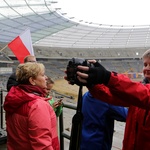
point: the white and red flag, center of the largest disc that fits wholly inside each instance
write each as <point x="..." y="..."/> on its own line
<point x="21" y="46"/>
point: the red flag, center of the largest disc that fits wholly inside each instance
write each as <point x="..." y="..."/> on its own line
<point x="21" y="46"/>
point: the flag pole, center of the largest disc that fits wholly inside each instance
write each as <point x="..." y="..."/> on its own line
<point x="3" y="48"/>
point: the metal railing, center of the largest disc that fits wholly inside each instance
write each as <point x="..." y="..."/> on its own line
<point x="62" y="134"/>
<point x="3" y="135"/>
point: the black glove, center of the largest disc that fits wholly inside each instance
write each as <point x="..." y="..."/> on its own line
<point x="98" y="75"/>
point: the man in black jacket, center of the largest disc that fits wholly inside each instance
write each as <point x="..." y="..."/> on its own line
<point x="12" y="79"/>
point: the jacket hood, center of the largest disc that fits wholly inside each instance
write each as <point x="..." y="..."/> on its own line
<point x="16" y="97"/>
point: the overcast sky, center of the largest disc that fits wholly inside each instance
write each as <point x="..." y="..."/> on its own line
<point x="111" y="12"/>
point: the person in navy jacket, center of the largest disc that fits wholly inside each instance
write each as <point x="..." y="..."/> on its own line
<point x="98" y="123"/>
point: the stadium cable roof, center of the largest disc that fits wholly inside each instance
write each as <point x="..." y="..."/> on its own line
<point x="51" y="27"/>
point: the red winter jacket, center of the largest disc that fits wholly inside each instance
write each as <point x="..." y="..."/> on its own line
<point x="124" y="92"/>
<point x="30" y="121"/>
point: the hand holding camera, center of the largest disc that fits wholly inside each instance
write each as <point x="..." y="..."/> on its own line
<point x="82" y="72"/>
<point x="72" y="69"/>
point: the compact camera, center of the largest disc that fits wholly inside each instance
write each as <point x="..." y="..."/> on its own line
<point x="72" y="69"/>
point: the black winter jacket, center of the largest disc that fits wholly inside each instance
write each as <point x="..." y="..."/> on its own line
<point x="11" y="81"/>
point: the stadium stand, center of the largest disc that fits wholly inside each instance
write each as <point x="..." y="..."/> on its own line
<point x="57" y="39"/>
<point x="55" y="59"/>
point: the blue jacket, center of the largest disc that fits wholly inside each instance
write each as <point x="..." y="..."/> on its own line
<point x="98" y="123"/>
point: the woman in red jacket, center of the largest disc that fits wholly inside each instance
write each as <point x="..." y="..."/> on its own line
<point x="118" y="89"/>
<point x="30" y="120"/>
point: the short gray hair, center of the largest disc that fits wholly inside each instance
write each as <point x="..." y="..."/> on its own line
<point x="146" y="54"/>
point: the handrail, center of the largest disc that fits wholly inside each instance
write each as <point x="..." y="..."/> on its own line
<point x="3" y="135"/>
<point x="63" y="135"/>
<point x="1" y="109"/>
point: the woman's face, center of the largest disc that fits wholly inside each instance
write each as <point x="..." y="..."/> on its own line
<point x="41" y="80"/>
<point x="146" y="68"/>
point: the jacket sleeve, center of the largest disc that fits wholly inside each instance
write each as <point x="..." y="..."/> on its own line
<point x="59" y="110"/>
<point x="118" y="113"/>
<point x="42" y="127"/>
<point x="103" y="93"/>
<point x="123" y="91"/>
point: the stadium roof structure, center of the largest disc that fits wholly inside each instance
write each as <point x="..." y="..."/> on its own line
<point x="51" y="27"/>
